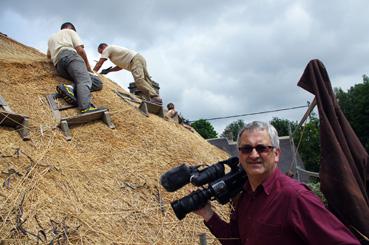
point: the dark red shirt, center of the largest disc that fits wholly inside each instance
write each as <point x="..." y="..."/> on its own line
<point x="280" y="211"/>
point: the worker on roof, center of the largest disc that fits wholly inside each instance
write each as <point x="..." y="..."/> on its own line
<point x="68" y="55"/>
<point x="273" y="208"/>
<point x="130" y="60"/>
<point x="173" y="114"/>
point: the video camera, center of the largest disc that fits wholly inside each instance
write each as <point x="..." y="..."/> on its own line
<point x="220" y="186"/>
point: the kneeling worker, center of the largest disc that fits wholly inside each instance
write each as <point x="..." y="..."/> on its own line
<point x="131" y="61"/>
<point x="67" y="53"/>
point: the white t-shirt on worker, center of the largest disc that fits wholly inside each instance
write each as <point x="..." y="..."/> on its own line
<point x="63" y="39"/>
<point x="120" y="56"/>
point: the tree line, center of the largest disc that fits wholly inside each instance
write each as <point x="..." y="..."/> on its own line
<point x="354" y="103"/>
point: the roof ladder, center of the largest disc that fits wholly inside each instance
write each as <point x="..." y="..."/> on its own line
<point x="145" y="107"/>
<point x="148" y="107"/>
<point x="11" y="119"/>
<point x="66" y="122"/>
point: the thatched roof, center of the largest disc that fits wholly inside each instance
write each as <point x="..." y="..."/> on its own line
<point x="102" y="187"/>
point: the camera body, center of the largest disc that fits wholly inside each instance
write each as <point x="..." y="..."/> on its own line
<point x="220" y="186"/>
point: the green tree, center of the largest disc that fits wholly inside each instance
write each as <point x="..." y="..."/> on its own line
<point x="282" y="126"/>
<point x="307" y="139"/>
<point x="355" y="105"/>
<point x="204" y="128"/>
<point x="233" y="128"/>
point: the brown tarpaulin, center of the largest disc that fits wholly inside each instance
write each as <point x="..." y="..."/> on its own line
<point x="344" y="172"/>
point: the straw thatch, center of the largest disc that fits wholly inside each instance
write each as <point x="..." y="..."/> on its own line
<point x="103" y="186"/>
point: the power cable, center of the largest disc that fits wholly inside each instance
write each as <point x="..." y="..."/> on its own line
<point x="254" y="113"/>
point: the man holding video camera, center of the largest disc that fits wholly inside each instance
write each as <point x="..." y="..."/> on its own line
<point x="273" y="208"/>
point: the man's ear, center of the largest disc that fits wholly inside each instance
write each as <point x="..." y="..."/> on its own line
<point x="277" y="153"/>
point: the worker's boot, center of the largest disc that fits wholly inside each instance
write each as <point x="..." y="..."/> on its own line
<point x="67" y="93"/>
<point x="91" y="108"/>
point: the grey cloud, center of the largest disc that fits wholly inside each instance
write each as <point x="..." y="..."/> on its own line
<point x="214" y="58"/>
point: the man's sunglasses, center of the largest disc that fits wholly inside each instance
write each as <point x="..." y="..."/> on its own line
<point x="247" y="149"/>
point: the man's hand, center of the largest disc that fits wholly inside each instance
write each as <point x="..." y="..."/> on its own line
<point x="205" y="212"/>
<point x="106" y="71"/>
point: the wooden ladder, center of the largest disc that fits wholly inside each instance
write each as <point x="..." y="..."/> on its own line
<point x="10" y="119"/>
<point x="148" y="107"/>
<point x="66" y="122"/>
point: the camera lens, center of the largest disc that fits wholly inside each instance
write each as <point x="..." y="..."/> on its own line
<point x="177" y="177"/>
<point x="192" y="202"/>
<point x="207" y="175"/>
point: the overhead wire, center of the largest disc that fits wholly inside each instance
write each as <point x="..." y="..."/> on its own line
<point x="253" y="113"/>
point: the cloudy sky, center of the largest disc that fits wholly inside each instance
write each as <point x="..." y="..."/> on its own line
<point x="213" y="58"/>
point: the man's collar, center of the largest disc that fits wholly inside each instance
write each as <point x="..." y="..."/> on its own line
<point x="269" y="182"/>
<point x="267" y="185"/>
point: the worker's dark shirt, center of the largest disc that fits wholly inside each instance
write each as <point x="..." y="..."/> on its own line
<point x="280" y="211"/>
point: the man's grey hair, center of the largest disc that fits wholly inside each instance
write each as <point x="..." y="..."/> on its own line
<point x="257" y="125"/>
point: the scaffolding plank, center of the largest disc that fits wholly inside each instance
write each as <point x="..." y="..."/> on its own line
<point x="86" y="117"/>
<point x="66" y="122"/>
<point x="131" y="99"/>
<point x="107" y="119"/>
<point x="54" y="107"/>
<point x="126" y="96"/>
<point x="143" y="108"/>
<point x="11" y="119"/>
<point x="65" y="128"/>
<point x="24" y="129"/>
<point x="152" y="108"/>
<point x="4" y="104"/>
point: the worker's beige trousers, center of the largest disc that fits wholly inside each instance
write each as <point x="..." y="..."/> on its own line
<point x="142" y="77"/>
